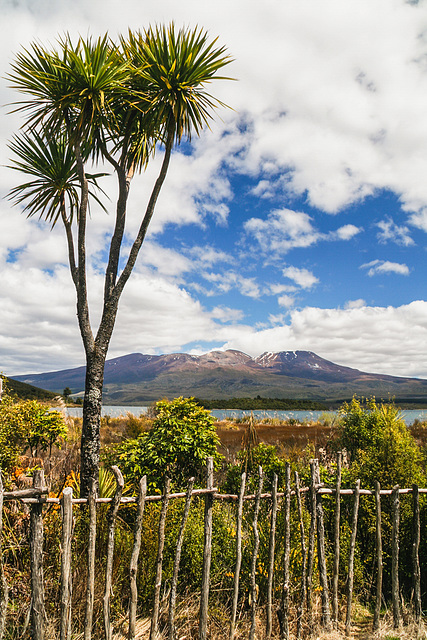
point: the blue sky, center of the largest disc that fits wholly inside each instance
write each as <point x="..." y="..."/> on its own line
<point x="298" y="222"/>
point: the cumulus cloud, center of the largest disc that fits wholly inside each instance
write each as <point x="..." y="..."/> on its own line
<point x="373" y="339"/>
<point x="355" y="304"/>
<point x="378" y="267"/>
<point x="391" y="232"/>
<point x="347" y="232"/>
<point x="284" y="229"/>
<point x="286" y="301"/>
<point x="158" y="316"/>
<point x="224" y="282"/>
<point x="302" y="277"/>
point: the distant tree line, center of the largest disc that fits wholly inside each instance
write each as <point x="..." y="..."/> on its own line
<point x="280" y="404"/>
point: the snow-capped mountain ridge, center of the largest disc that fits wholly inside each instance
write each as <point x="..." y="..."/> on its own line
<point x="137" y="378"/>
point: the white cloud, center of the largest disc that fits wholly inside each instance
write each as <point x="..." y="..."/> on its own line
<point x="167" y="261"/>
<point x="286" y="301"/>
<point x="389" y="231"/>
<point x="285" y="229"/>
<point x="347" y="232"/>
<point x="345" y="120"/>
<point x="39" y="328"/>
<point x="225" y="314"/>
<point x="355" y="304"/>
<point x="419" y="219"/>
<point x="208" y="256"/>
<point x="225" y="282"/>
<point x="373" y="339"/>
<point x="302" y="277"/>
<point x="376" y="267"/>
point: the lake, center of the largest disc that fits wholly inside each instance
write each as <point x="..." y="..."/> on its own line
<point x="233" y="414"/>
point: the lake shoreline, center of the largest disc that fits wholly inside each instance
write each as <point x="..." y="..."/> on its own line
<point x="301" y="417"/>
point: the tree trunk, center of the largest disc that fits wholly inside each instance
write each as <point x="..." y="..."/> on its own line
<point x="90" y="441"/>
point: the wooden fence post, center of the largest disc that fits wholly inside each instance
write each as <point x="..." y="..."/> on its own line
<point x="207" y="553"/>
<point x="379" y="554"/>
<point x="337" y="515"/>
<point x="395" y="557"/>
<point x="4" y="587"/>
<point x="154" y="631"/>
<point x="321" y="556"/>
<point x="133" y="566"/>
<point x="90" y="587"/>
<point x="38" y="614"/>
<point x="350" y="577"/>
<point x="300" y="608"/>
<point x="111" y="519"/>
<point x="66" y="585"/>
<point x="311" y="542"/>
<point x="174" y="584"/>
<point x="415" y="552"/>
<point x="239" y="518"/>
<point x="254" y="588"/>
<point x="284" y="608"/>
<point x="271" y="549"/>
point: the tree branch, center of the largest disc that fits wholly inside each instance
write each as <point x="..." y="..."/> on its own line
<point x="111" y="302"/>
<point x="124" y="180"/>
<point x="148" y="213"/>
<point x="70" y="242"/>
<point x="81" y="288"/>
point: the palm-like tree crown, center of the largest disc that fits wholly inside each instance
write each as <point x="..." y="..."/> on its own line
<point x="122" y="98"/>
<point x="170" y="70"/>
<point x="55" y="187"/>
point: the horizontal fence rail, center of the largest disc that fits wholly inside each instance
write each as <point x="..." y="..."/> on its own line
<point x="35" y="496"/>
<point x="282" y="588"/>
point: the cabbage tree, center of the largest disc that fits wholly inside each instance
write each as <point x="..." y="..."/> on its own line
<point x="95" y="103"/>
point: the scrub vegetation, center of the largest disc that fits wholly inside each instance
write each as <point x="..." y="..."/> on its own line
<point x="175" y="441"/>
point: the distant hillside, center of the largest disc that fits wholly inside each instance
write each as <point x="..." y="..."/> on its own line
<point x="26" y="391"/>
<point x="138" y="379"/>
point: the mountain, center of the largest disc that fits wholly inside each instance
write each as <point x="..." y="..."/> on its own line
<point x="138" y="378"/>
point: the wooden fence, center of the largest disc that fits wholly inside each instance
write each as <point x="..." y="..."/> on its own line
<point x="312" y="553"/>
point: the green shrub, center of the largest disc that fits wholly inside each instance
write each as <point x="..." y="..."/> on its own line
<point x="182" y="436"/>
<point x="379" y="445"/>
<point x="27" y="424"/>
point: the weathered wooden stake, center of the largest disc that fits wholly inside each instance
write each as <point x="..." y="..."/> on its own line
<point x="300" y="609"/>
<point x="415" y="552"/>
<point x="379" y="555"/>
<point x="172" y="599"/>
<point x="207" y="553"/>
<point x="4" y="587"/>
<point x="111" y="519"/>
<point x="133" y="566"/>
<point x="66" y="585"/>
<point x="254" y="589"/>
<point x="350" y="577"/>
<point x="337" y="514"/>
<point x="284" y="605"/>
<point x="154" y="629"/>
<point x="239" y="518"/>
<point x="311" y="542"/>
<point x="321" y="556"/>
<point x="38" y="614"/>
<point x="90" y="587"/>
<point x="271" y="549"/>
<point x="395" y="557"/>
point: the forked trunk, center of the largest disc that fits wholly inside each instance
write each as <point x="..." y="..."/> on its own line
<point x="90" y="442"/>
